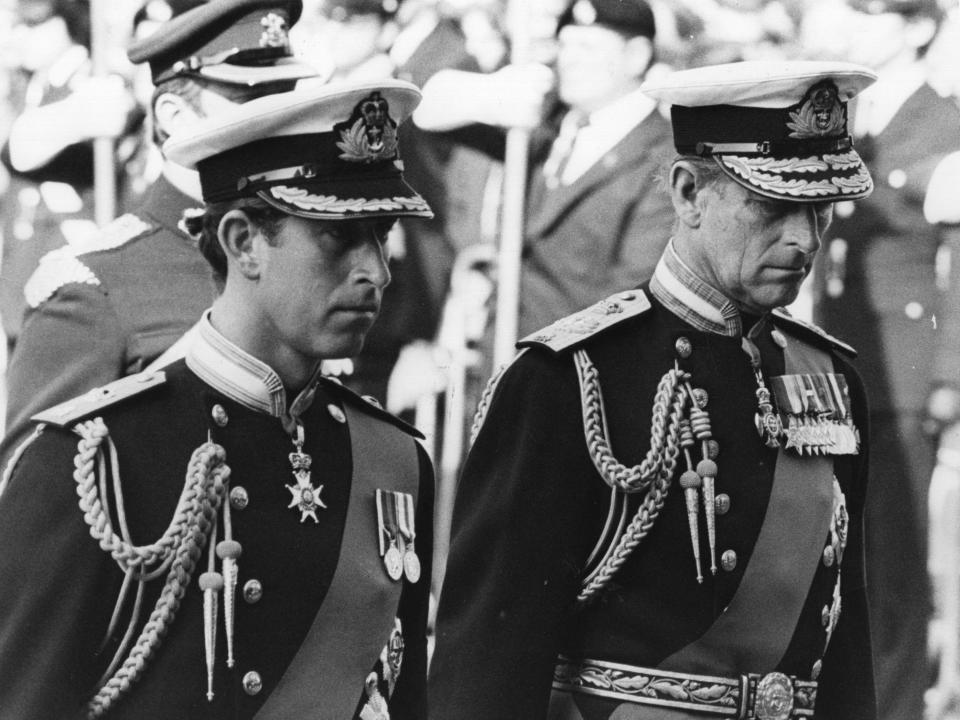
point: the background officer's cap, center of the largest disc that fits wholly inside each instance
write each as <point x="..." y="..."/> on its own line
<point x="629" y="17"/>
<point x="242" y="42"/>
<point x="327" y="152"/>
<point x="777" y="128"/>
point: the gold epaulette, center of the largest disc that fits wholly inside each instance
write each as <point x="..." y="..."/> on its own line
<point x="784" y="318"/>
<point x="62" y="266"/>
<point x="69" y="412"/>
<point x="574" y="329"/>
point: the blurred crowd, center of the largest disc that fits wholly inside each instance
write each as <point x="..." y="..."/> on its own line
<point x="591" y="192"/>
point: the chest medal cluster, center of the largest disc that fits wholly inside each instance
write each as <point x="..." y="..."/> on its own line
<point x="397" y="529"/>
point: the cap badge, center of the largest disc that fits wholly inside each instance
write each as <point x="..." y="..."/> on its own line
<point x="584" y="12"/>
<point x="371" y="134"/>
<point x="820" y="113"/>
<point x="274" y="32"/>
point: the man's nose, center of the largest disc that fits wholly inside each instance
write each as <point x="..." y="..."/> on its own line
<point x="372" y="261"/>
<point x="804" y="229"/>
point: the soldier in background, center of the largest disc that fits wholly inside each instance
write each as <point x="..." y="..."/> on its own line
<point x="263" y="489"/>
<point x="888" y="287"/>
<point x="653" y="518"/>
<point x="106" y="309"/>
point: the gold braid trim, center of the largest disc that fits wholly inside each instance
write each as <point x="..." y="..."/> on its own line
<point x="653" y="476"/>
<point x="178" y="549"/>
<point x="483" y="405"/>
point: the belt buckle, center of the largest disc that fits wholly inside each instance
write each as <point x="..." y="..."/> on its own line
<point x="774" y="697"/>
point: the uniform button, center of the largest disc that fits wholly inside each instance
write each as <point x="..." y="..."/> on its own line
<point x="628" y="296"/>
<point x="701" y="397"/>
<point x="372" y="400"/>
<point x="239" y="498"/>
<point x="913" y="310"/>
<point x="825" y="616"/>
<point x="683" y="347"/>
<point x="828" y="556"/>
<point x="219" y="415"/>
<point x="336" y="413"/>
<point x="779" y="338"/>
<point x="815" y="672"/>
<point x="722" y="503"/>
<point x="252" y="683"/>
<point x="252" y="591"/>
<point x="728" y="561"/>
<point x="897" y="179"/>
<point x="713" y="449"/>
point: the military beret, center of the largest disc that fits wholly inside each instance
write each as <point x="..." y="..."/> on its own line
<point x="777" y="128"/>
<point x="927" y="8"/>
<point x="243" y="42"/>
<point x="630" y="17"/>
<point x="328" y="151"/>
<point x="341" y="10"/>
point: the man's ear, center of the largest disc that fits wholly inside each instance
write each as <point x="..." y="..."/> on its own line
<point x="686" y="187"/>
<point x="236" y="234"/>
<point x="172" y="113"/>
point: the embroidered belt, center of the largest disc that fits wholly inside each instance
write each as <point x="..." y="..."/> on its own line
<point x="773" y="696"/>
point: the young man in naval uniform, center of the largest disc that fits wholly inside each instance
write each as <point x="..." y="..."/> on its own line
<point x="104" y="310"/>
<point x="665" y="486"/>
<point x="244" y="537"/>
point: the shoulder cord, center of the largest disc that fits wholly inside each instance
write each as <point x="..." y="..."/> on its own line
<point x="483" y="405"/>
<point x="653" y="475"/>
<point x="177" y="551"/>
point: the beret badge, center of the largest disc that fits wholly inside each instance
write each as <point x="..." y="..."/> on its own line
<point x="274" y="32"/>
<point x="370" y="134"/>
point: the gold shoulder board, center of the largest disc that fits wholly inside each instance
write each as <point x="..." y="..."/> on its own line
<point x="573" y="329"/>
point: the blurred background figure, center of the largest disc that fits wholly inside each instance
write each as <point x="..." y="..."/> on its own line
<point x="888" y="287"/>
<point x="49" y="151"/>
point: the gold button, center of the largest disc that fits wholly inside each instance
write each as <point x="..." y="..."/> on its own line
<point x="252" y="683"/>
<point x="728" y="561"/>
<point x="779" y="338"/>
<point x="701" y="397"/>
<point x="683" y="347"/>
<point x="713" y="449"/>
<point x="372" y="400"/>
<point x="219" y="415"/>
<point x="628" y="296"/>
<point x="239" y="498"/>
<point x="828" y="556"/>
<point x="722" y="503"/>
<point x="913" y="310"/>
<point x="336" y="413"/>
<point x="252" y="591"/>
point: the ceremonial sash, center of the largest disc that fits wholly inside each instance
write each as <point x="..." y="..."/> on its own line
<point x="753" y="632"/>
<point x="325" y="680"/>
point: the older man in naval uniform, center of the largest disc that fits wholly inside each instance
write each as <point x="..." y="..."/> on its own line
<point x="660" y="517"/>
<point x="238" y="536"/>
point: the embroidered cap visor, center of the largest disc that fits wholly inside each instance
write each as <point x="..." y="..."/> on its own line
<point x="327" y="152"/>
<point x="778" y="129"/>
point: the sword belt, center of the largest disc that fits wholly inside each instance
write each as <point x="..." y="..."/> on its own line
<point x="752" y="696"/>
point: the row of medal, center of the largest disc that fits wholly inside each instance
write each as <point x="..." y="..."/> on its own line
<point x="397" y="530"/>
<point x="818" y="413"/>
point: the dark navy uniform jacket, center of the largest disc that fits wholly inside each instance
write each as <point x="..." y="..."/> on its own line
<point x="62" y="586"/>
<point x="107" y="312"/>
<point x="531" y="506"/>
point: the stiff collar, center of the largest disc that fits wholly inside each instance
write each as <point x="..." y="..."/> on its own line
<point x="688" y="297"/>
<point x="241" y="377"/>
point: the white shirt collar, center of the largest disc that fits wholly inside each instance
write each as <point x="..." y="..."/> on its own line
<point x="240" y="376"/>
